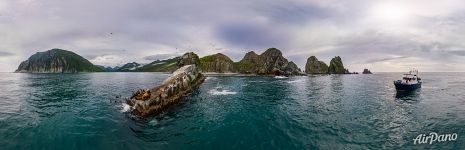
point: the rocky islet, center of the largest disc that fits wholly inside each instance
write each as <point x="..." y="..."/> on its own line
<point x="184" y="80"/>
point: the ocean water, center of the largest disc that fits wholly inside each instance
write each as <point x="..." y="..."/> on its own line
<point x="85" y="111"/>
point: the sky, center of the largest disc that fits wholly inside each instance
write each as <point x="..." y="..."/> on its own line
<point x="383" y="36"/>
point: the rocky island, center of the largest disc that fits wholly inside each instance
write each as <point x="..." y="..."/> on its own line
<point x="366" y="71"/>
<point x="314" y="66"/>
<point x="217" y="63"/>
<point x="57" y="61"/>
<point x="151" y="101"/>
<point x="270" y="62"/>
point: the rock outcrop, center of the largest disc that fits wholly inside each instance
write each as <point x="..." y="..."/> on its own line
<point x="188" y="59"/>
<point x="151" y="101"/>
<point x="248" y="64"/>
<point x="57" y="61"/>
<point x="336" y="66"/>
<point x="293" y="69"/>
<point x="218" y="63"/>
<point x="270" y="62"/>
<point x="314" y="66"/>
<point x="366" y="71"/>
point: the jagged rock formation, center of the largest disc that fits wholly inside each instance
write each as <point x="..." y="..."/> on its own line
<point x="336" y="66"/>
<point x="188" y="59"/>
<point x="314" y="66"/>
<point x="218" y="63"/>
<point x="292" y="69"/>
<point x="270" y="62"/>
<point x="57" y="61"/>
<point x="366" y="71"/>
<point x="151" y="101"/>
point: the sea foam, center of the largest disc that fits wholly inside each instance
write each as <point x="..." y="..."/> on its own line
<point x="280" y="77"/>
<point x="126" y="107"/>
<point x="296" y="81"/>
<point x="221" y="92"/>
<point x="153" y="122"/>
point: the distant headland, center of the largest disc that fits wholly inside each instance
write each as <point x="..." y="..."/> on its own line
<point x="57" y="61"/>
<point x="270" y="62"/>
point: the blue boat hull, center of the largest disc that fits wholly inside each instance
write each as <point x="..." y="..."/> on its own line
<point x="407" y="87"/>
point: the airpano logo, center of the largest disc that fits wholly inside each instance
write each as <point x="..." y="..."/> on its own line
<point x="434" y="137"/>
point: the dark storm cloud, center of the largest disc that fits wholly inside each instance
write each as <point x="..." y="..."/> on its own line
<point x="251" y="35"/>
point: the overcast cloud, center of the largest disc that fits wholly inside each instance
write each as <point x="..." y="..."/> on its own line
<point x="391" y="35"/>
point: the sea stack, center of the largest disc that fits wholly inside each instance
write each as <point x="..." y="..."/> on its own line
<point x="314" y="66"/>
<point x="182" y="81"/>
<point x="270" y="62"/>
<point x="366" y="71"/>
<point x="336" y="66"/>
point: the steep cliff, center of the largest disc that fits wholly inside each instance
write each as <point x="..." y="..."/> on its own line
<point x="336" y="66"/>
<point x="218" y="63"/>
<point x="314" y="66"/>
<point x="188" y="59"/>
<point x="57" y="61"/>
<point x="293" y="69"/>
<point x="248" y="64"/>
<point x="270" y="62"/>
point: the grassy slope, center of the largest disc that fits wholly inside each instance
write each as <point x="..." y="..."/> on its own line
<point x="168" y="65"/>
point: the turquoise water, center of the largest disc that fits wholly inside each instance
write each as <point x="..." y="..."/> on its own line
<point x="82" y="111"/>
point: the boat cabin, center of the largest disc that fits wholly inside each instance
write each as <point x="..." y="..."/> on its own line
<point x="411" y="77"/>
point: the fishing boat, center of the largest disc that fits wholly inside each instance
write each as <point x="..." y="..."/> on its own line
<point x="409" y="82"/>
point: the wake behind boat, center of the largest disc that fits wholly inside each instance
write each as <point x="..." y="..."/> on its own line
<point x="409" y="82"/>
